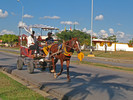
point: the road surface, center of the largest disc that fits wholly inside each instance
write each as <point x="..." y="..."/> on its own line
<point x="87" y="82"/>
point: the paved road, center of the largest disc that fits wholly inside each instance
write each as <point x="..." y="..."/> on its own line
<point x="110" y="61"/>
<point x="87" y="82"/>
<point x="7" y="59"/>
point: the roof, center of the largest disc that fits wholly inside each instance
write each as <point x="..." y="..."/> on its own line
<point x="45" y="27"/>
<point x="100" y="40"/>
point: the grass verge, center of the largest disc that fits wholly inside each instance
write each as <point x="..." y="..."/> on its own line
<point x="104" y="66"/>
<point x="13" y="52"/>
<point x="125" y="55"/>
<point x="12" y="90"/>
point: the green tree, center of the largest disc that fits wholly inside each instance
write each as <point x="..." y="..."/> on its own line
<point x="131" y="42"/>
<point x="82" y="37"/>
<point x="9" y="38"/>
<point x="0" y="37"/>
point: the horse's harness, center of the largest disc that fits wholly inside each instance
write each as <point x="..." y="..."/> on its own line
<point x="73" y="42"/>
<point x="64" y="51"/>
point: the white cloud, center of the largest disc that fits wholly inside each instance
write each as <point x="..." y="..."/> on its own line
<point x="66" y="22"/>
<point x="100" y="17"/>
<point x="75" y="23"/>
<point x="27" y="16"/>
<point x="94" y="34"/>
<point x="102" y="31"/>
<point x="86" y="31"/>
<point x="111" y="30"/>
<point x="120" y="34"/>
<point x="103" y="34"/>
<point x="20" y="24"/>
<point x="89" y="32"/>
<point x="6" y="32"/>
<point x="49" y="17"/>
<point x="123" y="38"/>
<point x="3" y="14"/>
<point x="69" y="23"/>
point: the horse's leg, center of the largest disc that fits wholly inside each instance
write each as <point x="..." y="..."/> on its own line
<point x="68" y="77"/>
<point x="61" y="61"/>
<point x="54" y="67"/>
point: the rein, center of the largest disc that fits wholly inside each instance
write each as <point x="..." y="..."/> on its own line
<point x="66" y="53"/>
<point x="72" y="46"/>
<point x="69" y="53"/>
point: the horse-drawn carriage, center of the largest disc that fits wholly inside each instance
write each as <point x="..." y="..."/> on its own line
<point x="63" y="52"/>
<point x="30" y="57"/>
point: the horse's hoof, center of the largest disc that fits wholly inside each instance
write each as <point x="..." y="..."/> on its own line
<point x="69" y="80"/>
<point x="55" y="76"/>
<point x="52" y="71"/>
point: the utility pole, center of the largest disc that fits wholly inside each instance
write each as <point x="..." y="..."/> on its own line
<point x="91" y="55"/>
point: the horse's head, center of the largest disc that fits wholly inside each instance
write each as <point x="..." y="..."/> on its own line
<point x="76" y="45"/>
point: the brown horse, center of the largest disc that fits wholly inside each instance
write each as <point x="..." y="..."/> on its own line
<point x="65" y="54"/>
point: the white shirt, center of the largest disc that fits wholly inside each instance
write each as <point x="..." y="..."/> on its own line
<point x="31" y="41"/>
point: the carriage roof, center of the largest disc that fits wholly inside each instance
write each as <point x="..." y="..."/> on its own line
<point x="41" y="26"/>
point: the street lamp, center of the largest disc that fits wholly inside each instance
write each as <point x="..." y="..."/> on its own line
<point x="22" y="10"/>
<point x="91" y="26"/>
<point x="20" y="30"/>
<point x="91" y="30"/>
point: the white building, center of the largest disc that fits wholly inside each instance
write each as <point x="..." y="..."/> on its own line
<point x="111" y="46"/>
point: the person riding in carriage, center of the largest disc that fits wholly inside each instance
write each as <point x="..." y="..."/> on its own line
<point x="49" y="42"/>
<point x="32" y="43"/>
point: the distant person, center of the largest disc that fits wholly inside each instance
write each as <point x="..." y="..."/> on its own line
<point x="32" y="42"/>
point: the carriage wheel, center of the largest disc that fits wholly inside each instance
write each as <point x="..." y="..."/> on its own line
<point x="20" y="63"/>
<point x="30" y="67"/>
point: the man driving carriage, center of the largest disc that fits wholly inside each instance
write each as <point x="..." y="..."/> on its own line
<point x="49" y="42"/>
<point x="49" y="39"/>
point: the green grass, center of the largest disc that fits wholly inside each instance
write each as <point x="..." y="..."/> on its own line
<point x="125" y="55"/>
<point x="10" y="52"/>
<point x="12" y="90"/>
<point x="104" y="66"/>
<point x="13" y="48"/>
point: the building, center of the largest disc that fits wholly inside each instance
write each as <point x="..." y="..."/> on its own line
<point x="111" y="46"/>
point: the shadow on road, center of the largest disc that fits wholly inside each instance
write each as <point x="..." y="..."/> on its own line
<point x="83" y="85"/>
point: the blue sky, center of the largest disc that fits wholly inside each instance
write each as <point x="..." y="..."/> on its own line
<point x="110" y="16"/>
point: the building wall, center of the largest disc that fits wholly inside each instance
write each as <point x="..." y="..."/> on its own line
<point x="123" y="47"/>
<point x="114" y="47"/>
